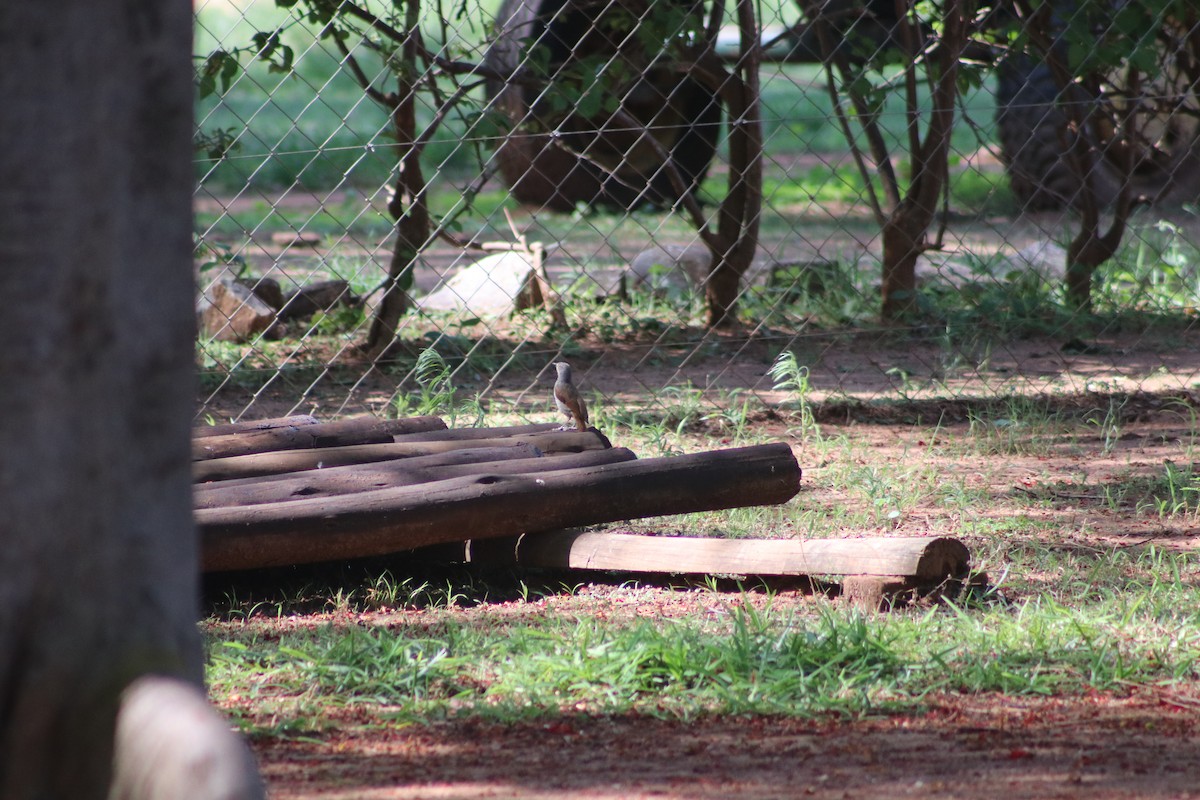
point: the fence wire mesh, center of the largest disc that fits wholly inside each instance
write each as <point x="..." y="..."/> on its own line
<point x="410" y="206"/>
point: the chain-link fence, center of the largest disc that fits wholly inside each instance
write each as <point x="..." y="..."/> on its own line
<point x="406" y="204"/>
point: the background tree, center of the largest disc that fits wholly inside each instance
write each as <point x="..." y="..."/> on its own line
<point x="587" y="93"/>
<point x="927" y="42"/>
<point x="99" y="561"/>
<point x="1122" y="125"/>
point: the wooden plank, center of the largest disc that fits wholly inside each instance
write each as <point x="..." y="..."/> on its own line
<point x="923" y="558"/>
<point x="351" y="431"/>
<point x="368" y="477"/>
<point x="488" y="505"/>
<point x="226" y="428"/>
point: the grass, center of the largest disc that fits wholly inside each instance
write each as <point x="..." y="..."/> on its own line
<point x="1130" y="624"/>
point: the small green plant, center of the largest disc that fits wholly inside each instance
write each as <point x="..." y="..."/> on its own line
<point x="789" y="375"/>
<point x="436" y="391"/>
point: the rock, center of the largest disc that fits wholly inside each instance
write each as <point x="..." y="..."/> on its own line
<point x="228" y="311"/>
<point x="296" y="239"/>
<point x="670" y="268"/>
<point x="1047" y="259"/>
<point x="311" y="298"/>
<point x="494" y="286"/>
<point x="267" y="289"/>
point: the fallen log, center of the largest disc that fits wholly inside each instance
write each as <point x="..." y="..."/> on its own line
<point x="482" y="433"/>
<point x="466" y="455"/>
<point x="296" y="460"/>
<point x="920" y="558"/>
<point x="488" y="505"/>
<point x="362" y="478"/>
<point x="352" y="431"/>
<point x="226" y="428"/>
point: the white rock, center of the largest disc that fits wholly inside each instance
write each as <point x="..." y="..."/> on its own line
<point x="1046" y="258"/>
<point x="668" y="267"/>
<point x="494" y="286"/>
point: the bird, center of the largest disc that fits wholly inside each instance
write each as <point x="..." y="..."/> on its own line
<point x="568" y="400"/>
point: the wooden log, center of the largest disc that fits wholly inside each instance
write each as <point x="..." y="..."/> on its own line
<point x="352" y="431"/>
<point x="923" y="558"/>
<point x="481" y="433"/>
<point x="367" y="477"/>
<point x="226" y="428"/>
<point x="466" y="455"/>
<point x="878" y="592"/>
<point x="246" y="466"/>
<point x="549" y="431"/>
<point x="482" y="506"/>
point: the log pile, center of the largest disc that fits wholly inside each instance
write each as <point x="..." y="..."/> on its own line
<point x="296" y="490"/>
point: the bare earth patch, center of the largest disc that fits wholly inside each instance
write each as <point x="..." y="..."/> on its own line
<point x="986" y="747"/>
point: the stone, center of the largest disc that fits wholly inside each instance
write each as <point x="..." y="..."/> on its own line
<point x="1047" y="259"/>
<point x="296" y="239"/>
<point x="267" y="289"/>
<point x="670" y="268"/>
<point x="228" y="311"/>
<point x="495" y="286"/>
<point x="313" y="297"/>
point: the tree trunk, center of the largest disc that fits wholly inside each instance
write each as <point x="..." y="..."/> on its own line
<point x="903" y="236"/>
<point x="98" y="571"/>
<point x="408" y="205"/>
<point x="736" y="240"/>
<point x="904" y="232"/>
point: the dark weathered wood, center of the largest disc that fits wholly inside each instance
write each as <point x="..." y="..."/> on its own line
<point x="295" y="460"/>
<point x="924" y="558"/>
<point x="352" y="431"/>
<point x="878" y="592"/>
<point x="480" y="433"/>
<point x="488" y="505"/>
<point x="368" y="477"/>
<point x="466" y="455"/>
<point x="226" y="428"/>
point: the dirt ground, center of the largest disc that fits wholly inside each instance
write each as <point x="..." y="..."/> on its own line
<point x="1143" y="744"/>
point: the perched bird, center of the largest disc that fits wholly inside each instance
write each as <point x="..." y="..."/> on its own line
<point x="568" y="399"/>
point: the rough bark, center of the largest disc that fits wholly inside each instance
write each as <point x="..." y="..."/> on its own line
<point x="1087" y="123"/>
<point x="99" y="559"/>
<point x="408" y="205"/>
<point x="481" y="506"/>
<point x="904" y="232"/>
<point x="255" y="464"/>
<point x="354" y="430"/>
<point x="735" y="241"/>
<point x="357" y="478"/>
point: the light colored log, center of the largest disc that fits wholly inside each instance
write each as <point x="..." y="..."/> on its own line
<point x="296" y="460"/>
<point x="488" y="505"/>
<point x="924" y="558"/>
<point x="368" y="477"/>
<point x="351" y="431"/>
